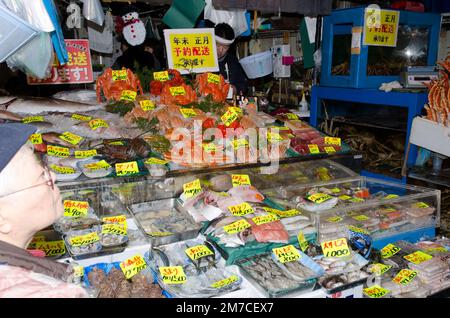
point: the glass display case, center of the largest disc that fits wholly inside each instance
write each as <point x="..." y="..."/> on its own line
<point x="417" y="45"/>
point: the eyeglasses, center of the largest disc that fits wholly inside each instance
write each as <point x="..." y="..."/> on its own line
<point x="48" y="180"/>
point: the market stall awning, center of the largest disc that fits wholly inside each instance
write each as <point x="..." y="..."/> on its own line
<point x="306" y="7"/>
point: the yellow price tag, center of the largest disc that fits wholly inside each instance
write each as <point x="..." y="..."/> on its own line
<point x="188" y="112"/>
<point x="225" y="282"/>
<point x="236" y="109"/>
<point x="75" y="208"/>
<point x="319" y="198"/>
<point x="52" y="248"/>
<point x="291" y="116"/>
<point x="192" y="189"/>
<point x="209" y="147"/>
<point x="177" y="90"/>
<point x="161" y="76"/>
<point x="313" y="148"/>
<point x="116" y="143"/>
<point x="128" y="95"/>
<point x="102" y="164"/>
<point x="36" y="139"/>
<point x="389" y="251"/>
<point x="147" y="105"/>
<point x="116" y="229"/>
<point x="71" y="138"/>
<point x="119" y="75"/>
<point x="159" y="234"/>
<point x="282" y="214"/>
<point x="133" y="265"/>
<point x="286" y="254"/>
<point x="333" y="141"/>
<point x="127" y="168"/>
<point x="356" y="200"/>
<point x="390" y="196"/>
<point x="57" y="151"/>
<point x="263" y="219"/>
<point x="213" y="78"/>
<point x="303" y="243"/>
<point x="172" y="274"/>
<point x="335" y="248"/>
<point x="361" y="218"/>
<point x="274" y="137"/>
<point x="376" y="291"/>
<point x="78" y="271"/>
<point x="229" y="117"/>
<point x="83" y="240"/>
<point x="97" y="123"/>
<point x="421" y="205"/>
<point x="33" y="119"/>
<point x="404" y="277"/>
<point x="241" y="209"/>
<point x="329" y="149"/>
<point x="358" y="230"/>
<point x="198" y="251"/>
<point x="379" y="269"/>
<point x="237" y="227"/>
<point x="418" y="257"/>
<point x="61" y="169"/>
<point x="85" y="153"/>
<point x="240" y="179"/>
<point x="239" y="143"/>
<point x="81" y="117"/>
<point x="335" y="190"/>
<point x="119" y="219"/>
<point x="344" y="197"/>
<point x="156" y="161"/>
<point x="335" y="219"/>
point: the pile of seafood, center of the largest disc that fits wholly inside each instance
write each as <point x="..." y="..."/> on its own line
<point x="438" y="107"/>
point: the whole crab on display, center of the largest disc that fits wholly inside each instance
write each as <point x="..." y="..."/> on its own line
<point x="112" y="88"/>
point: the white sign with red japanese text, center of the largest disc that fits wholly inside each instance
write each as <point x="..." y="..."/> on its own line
<point x="191" y="50"/>
<point x="77" y="70"/>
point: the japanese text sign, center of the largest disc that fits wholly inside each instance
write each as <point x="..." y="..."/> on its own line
<point x="191" y="50"/>
<point x="77" y="70"/>
<point x="380" y="27"/>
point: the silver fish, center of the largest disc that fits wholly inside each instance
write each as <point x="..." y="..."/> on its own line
<point x="36" y="105"/>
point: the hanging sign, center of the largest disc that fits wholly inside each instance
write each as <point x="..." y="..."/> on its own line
<point x="77" y="70"/>
<point x="191" y="50"/>
<point x="380" y="27"/>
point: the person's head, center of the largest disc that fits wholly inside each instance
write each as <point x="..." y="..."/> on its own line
<point x="29" y="199"/>
<point x="224" y="38"/>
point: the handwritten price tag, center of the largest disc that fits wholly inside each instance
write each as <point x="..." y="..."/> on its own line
<point x="161" y="76"/>
<point x="390" y="196"/>
<point x="52" y="248"/>
<point x="133" y="265"/>
<point x="358" y="230"/>
<point x="329" y="149"/>
<point x="229" y="117"/>
<point x="335" y="219"/>
<point x="333" y="141"/>
<point x="188" y="112"/>
<point x="291" y="116"/>
<point x="119" y="75"/>
<point x="192" y="189"/>
<point x="376" y="291"/>
<point x="213" y="78"/>
<point x="379" y="269"/>
<point x="102" y="164"/>
<point x="286" y="254"/>
<point x="239" y="143"/>
<point x="282" y="214"/>
<point x="116" y="143"/>
<point x="116" y="229"/>
<point x="240" y="179"/>
<point x="33" y="119"/>
<point x="303" y="243"/>
<point x="84" y="239"/>
<point x="156" y="161"/>
<point x="335" y="248"/>
<point x="75" y="208"/>
<point x="61" y="169"/>
<point x="263" y="219"/>
<point x="274" y="137"/>
<point x="404" y="277"/>
<point x="177" y="90"/>
<point x="159" y="234"/>
<point x="361" y="218"/>
<point x="71" y="138"/>
<point x="97" y="123"/>
<point x="209" y="147"/>
<point x="172" y="274"/>
<point x="313" y="149"/>
<point x="85" y="153"/>
<point x="356" y="200"/>
<point x="127" y="168"/>
<point x="198" y="251"/>
<point x="128" y="95"/>
<point x="119" y="219"/>
<point x="236" y="227"/>
<point x="389" y="251"/>
<point x="344" y="197"/>
<point x="57" y="151"/>
<point x="81" y="117"/>
<point x="421" y="205"/>
<point x="225" y="282"/>
<point x="78" y="271"/>
<point x="418" y="257"/>
<point x="241" y="209"/>
<point x="36" y="139"/>
<point x="147" y="105"/>
<point x="319" y="198"/>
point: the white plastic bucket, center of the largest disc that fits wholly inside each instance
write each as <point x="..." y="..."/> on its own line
<point x="257" y="65"/>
